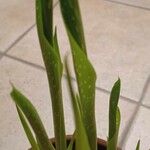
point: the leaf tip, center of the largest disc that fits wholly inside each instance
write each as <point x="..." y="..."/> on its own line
<point x="119" y="80"/>
<point x="13" y="88"/>
<point x="118" y="83"/>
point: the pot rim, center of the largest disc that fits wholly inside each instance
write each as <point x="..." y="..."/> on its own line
<point x="99" y="141"/>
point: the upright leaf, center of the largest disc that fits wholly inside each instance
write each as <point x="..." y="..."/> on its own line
<point x="70" y="146"/>
<point x="85" y="73"/>
<point x="72" y="19"/>
<point x="112" y="143"/>
<point x="32" y="116"/>
<point x="81" y="140"/>
<point x="56" y="46"/>
<point x="86" y="78"/>
<point x="138" y="145"/>
<point x="51" y="57"/>
<point x="27" y="130"/>
<point x="47" y="19"/>
<point x="114" y="117"/>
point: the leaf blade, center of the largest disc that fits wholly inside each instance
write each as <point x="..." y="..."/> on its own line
<point x="81" y="136"/>
<point x="27" y="130"/>
<point x="138" y="145"/>
<point x="53" y="64"/>
<point x="47" y="19"/>
<point x="86" y="79"/>
<point x="31" y="114"/>
<point x="112" y="143"/>
<point x="72" y="18"/>
<point x="114" y="116"/>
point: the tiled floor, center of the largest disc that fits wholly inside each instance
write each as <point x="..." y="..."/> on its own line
<point x="117" y="34"/>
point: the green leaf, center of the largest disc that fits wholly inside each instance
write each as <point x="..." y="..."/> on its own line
<point x="138" y="145"/>
<point x="53" y="64"/>
<point x="56" y="46"/>
<point x="114" y="117"/>
<point x="81" y="141"/>
<point x="32" y="116"/>
<point x="112" y="143"/>
<point x="72" y="19"/>
<point x="27" y="130"/>
<point x="70" y="147"/>
<point x="86" y="78"/>
<point x="47" y="18"/>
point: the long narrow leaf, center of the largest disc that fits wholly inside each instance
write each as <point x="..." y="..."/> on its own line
<point x="112" y="143"/>
<point x="27" y="130"/>
<point x="56" y="46"/>
<point x="114" y="117"/>
<point x="72" y="19"/>
<point x="32" y="116"/>
<point x="138" y="145"/>
<point x="51" y="57"/>
<point x="81" y="136"/>
<point x="47" y="19"/>
<point x="86" y="78"/>
<point x="70" y="146"/>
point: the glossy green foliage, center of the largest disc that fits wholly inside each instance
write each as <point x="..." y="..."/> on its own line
<point x="114" y="117"/>
<point x="83" y="100"/>
<point x="86" y="78"/>
<point x="72" y="19"/>
<point x="27" y="130"/>
<point x="51" y="57"/>
<point x="32" y="116"/>
<point x="84" y="71"/>
<point x="81" y="136"/>
<point x="47" y="19"/>
<point x="138" y="145"/>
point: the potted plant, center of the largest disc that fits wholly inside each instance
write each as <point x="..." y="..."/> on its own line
<point x="83" y="100"/>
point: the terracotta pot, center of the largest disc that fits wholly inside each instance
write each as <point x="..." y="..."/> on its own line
<point x="101" y="144"/>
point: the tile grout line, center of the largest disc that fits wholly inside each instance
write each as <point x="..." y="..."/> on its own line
<point x="134" y="116"/>
<point x="73" y="79"/>
<point x="17" y="40"/>
<point x="130" y="5"/>
<point x="126" y="131"/>
<point x="20" y="37"/>
<point x="139" y="104"/>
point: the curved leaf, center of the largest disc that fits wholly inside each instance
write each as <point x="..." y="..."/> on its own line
<point x="86" y="78"/>
<point x="81" y="140"/>
<point x="51" y="57"/>
<point x="114" y="117"/>
<point x="47" y="18"/>
<point x="112" y="143"/>
<point x="27" y="130"/>
<point x="32" y="116"/>
<point x="72" y="19"/>
<point x="138" y="145"/>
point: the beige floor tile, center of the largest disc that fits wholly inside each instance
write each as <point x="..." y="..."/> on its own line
<point x="28" y="49"/>
<point x="140" y="130"/>
<point x="143" y="3"/>
<point x="16" y="17"/>
<point x="146" y="97"/>
<point x="146" y="100"/>
<point x="33" y="83"/>
<point x="117" y="40"/>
